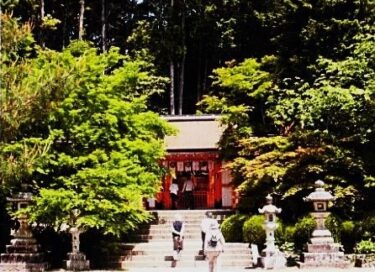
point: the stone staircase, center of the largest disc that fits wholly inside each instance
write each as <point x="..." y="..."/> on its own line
<point x="153" y="246"/>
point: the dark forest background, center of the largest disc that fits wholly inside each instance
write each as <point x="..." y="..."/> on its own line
<point x="187" y="39"/>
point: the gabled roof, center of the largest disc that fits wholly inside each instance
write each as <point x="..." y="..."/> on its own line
<point x="194" y="132"/>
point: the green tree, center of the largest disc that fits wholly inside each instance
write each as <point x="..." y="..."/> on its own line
<point x="87" y="140"/>
<point x="313" y="130"/>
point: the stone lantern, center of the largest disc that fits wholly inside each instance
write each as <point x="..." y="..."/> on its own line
<point x="320" y="199"/>
<point x="271" y="256"/>
<point x="23" y="254"/>
<point x="322" y="251"/>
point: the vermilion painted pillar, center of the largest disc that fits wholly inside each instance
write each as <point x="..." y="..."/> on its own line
<point x="166" y="196"/>
<point x="211" y="185"/>
<point x="218" y="183"/>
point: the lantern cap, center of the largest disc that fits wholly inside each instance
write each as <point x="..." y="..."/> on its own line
<point x="269" y="208"/>
<point x="319" y="194"/>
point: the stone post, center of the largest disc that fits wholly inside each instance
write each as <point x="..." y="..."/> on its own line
<point x="76" y="259"/>
<point x="75" y="232"/>
<point x="271" y="256"/>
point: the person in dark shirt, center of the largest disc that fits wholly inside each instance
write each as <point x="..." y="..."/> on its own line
<point x="177" y="228"/>
<point x="188" y="189"/>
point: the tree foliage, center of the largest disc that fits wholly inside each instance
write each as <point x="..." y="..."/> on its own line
<point x="301" y="130"/>
<point x="76" y="126"/>
<point x="294" y="81"/>
<point x="213" y="32"/>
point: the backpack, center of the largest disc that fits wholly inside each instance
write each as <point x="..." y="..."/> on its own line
<point x="177" y="225"/>
<point x="213" y="241"/>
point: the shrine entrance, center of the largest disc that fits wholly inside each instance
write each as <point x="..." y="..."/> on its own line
<point x="201" y="184"/>
<point x="194" y="152"/>
<point x="204" y="169"/>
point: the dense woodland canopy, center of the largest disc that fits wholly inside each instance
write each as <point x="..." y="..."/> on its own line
<point x="294" y="80"/>
<point x="187" y="39"/>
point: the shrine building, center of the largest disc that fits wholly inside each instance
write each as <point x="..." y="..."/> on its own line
<point x="193" y="151"/>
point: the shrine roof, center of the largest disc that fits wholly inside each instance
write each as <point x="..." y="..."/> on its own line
<point x="194" y="132"/>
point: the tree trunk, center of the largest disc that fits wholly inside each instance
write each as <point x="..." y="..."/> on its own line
<point x="205" y="72"/>
<point x="42" y="9"/>
<point x="104" y="24"/>
<point x="172" y="108"/>
<point x="64" y="27"/>
<point x="200" y="55"/>
<point x="42" y="14"/>
<point x="199" y="71"/>
<point x="362" y="9"/>
<point x="182" y="64"/>
<point x="171" y="91"/>
<point x="1" y="27"/>
<point x="81" y="17"/>
<point x="181" y="85"/>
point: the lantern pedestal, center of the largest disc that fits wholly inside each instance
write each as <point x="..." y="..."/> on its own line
<point x="322" y="251"/>
<point x="77" y="262"/>
<point x="323" y="254"/>
<point x="273" y="259"/>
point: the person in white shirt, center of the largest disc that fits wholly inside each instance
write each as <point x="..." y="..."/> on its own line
<point x="213" y="246"/>
<point x="188" y="189"/>
<point x="205" y="225"/>
<point x="173" y="192"/>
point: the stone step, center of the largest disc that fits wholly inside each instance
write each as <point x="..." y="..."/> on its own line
<point x="192" y="244"/>
<point x="161" y="236"/>
<point x="188" y="221"/>
<point x="166" y="232"/>
<point x="172" y="213"/>
<point x="332" y="247"/>
<point x="191" y="251"/>
<point x="168" y="262"/>
<point x="22" y="257"/>
<point x="33" y="248"/>
<point x="154" y="246"/>
<point x="186" y="256"/>
<point x="167" y="227"/>
<point x="322" y="265"/>
<point x="163" y="217"/>
<point x="18" y="267"/>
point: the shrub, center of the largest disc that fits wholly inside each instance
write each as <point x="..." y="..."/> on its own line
<point x="344" y="232"/>
<point x="284" y="234"/>
<point x="232" y="227"/>
<point x="348" y="236"/>
<point x="368" y="227"/>
<point x="333" y="224"/>
<point x="253" y="231"/>
<point x="289" y="233"/>
<point x="279" y="232"/>
<point x="303" y="230"/>
<point x="365" y="247"/>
